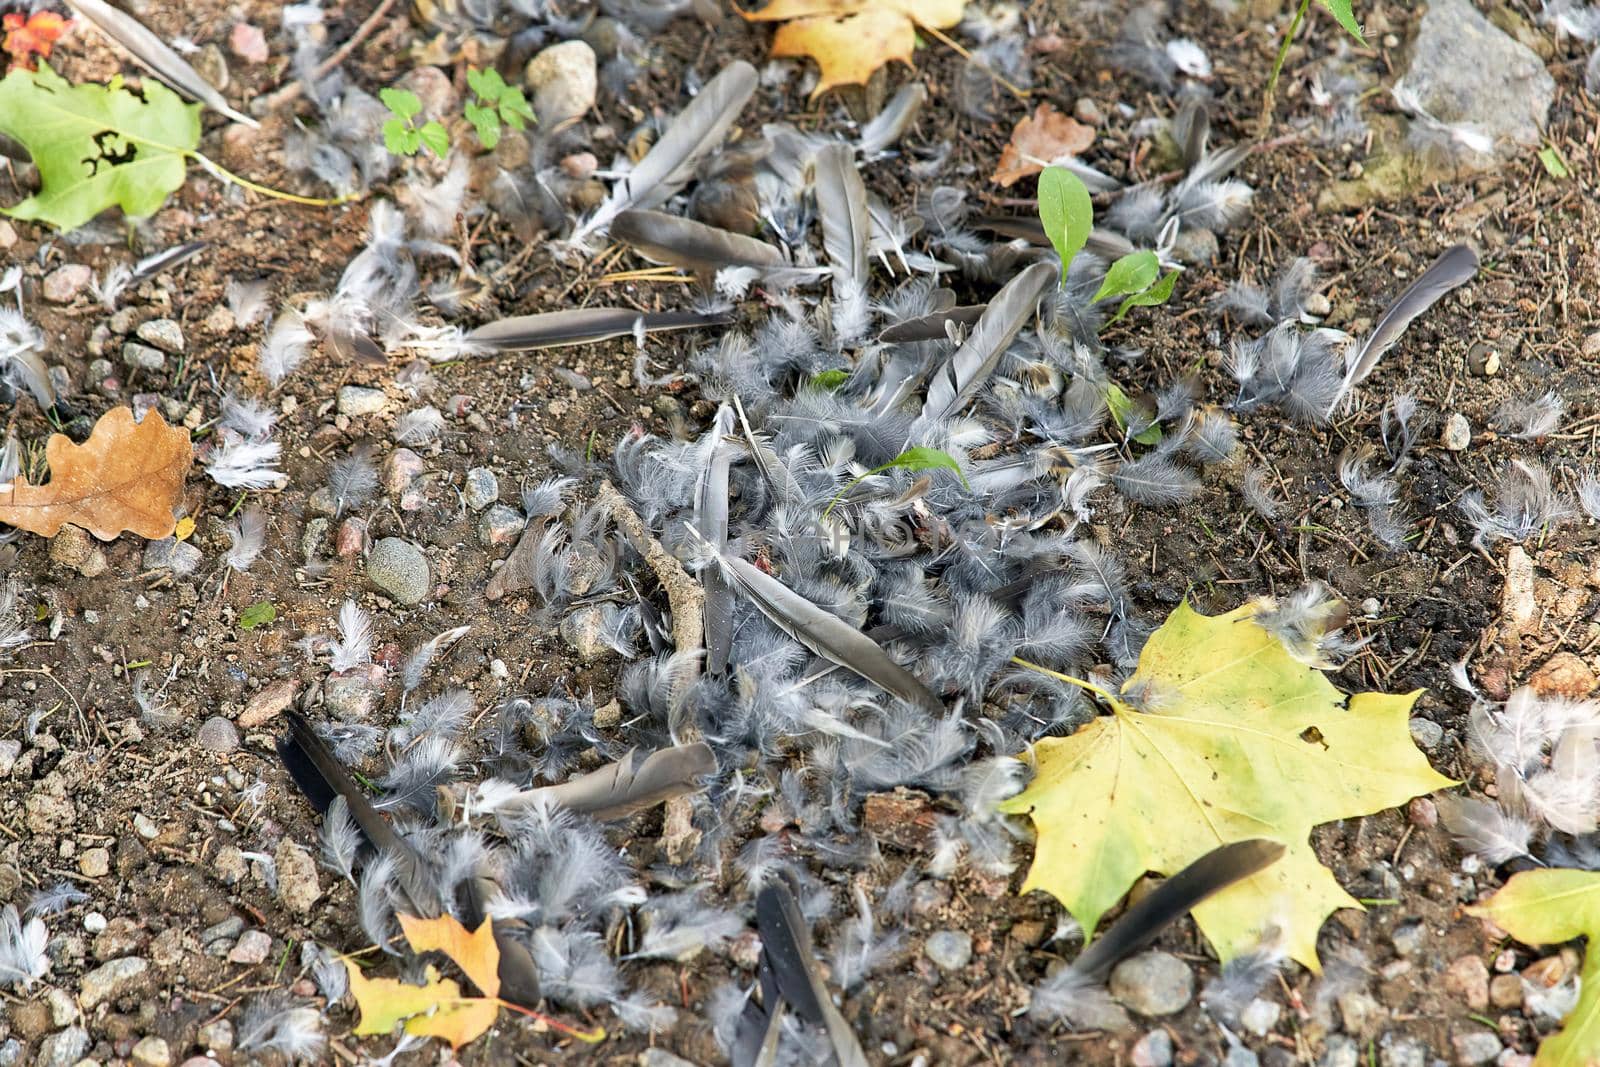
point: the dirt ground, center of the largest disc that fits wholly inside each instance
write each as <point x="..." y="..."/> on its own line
<point x="176" y="820"/>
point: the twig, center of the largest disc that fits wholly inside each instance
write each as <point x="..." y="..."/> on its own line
<point x="295" y="88"/>
<point x="684" y="594"/>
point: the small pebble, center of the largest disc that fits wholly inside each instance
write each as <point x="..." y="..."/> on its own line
<point x="164" y="334"/>
<point x="253" y="946"/>
<point x="63" y="1049"/>
<point x="1260" y="1016"/>
<point x="111" y="980"/>
<point x="352" y="539"/>
<point x="217" y="1036"/>
<point x="1359" y="1011"/>
<point x="401" y="469"/>
<point x="95" y="923"/>
<point x="10" y="749"/>
<point x="248" y="43"/>
<point x="268" y="703"/>
<point x="1153" y="984"/>
<point x="399" y="570"/>
<point x="950" y="950"/>
<point x="358" y="400"/>
<point x="151" y="1051"/>
<point x="579" y="165"/>
<point x="482" y="488"/>
<point x="170" y="554"/>
<point x="1475" y="1047"/>
<point x="1395" y="1050"/>
<point x="1423" y="813"/>
<point x="1505" y="991"/>
<point x="1427" y="734"/>
<point x="94" y="862"/>
<point x="1407" y="938"/>
<point x="1318" y="305"/>
<point x="1152" y="1050"/>
<point x="1467" y="979"/>
<point x="8" y="237"/>
<point x="218" y="735"/>
<point x="71" y="546"/>
<point x="1340" y="1051"/>
<point x="298" y="885"/>
<point x="500" y="525"/>
<point x="1483" y="360"/>
<point x="145" y="826"/>
<point x="1086" y="111"/>
<point x="1591" y="344"/>
<point x="143" y="357"/>
<point x="564" y="81"/>
<point x="62" y="285"/>
<point x="1457" y="433"/>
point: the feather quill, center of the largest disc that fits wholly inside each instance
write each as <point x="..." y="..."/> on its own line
<point x="934" y="327"/>
<point x="974" y="361"/>
<point x="1453" y="269"/>
<point x="155" y="54"/>
<point x="581" y="326"/>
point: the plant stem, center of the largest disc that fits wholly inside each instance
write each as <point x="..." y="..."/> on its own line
<point x="1079" y="682"/>
<point x="218" y="170"/>
<point x="1283" y="49"/>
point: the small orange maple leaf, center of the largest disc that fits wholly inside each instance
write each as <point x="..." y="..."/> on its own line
<point x="31" y="37"/>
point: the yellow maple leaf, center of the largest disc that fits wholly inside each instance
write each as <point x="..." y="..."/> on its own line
<point x="1238" y="740"/>
<point x="434" y="1009"/>
<point x="1546" y="908"/>
<point x="850" y="39"/>
<point x="474" y="951"/>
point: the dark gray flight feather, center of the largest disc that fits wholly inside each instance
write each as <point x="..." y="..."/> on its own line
<point x="166" y="259"/>
<point x="787" y="951"/>
<point x="155" y="54"/>
<point x="711" y="519"/>
<point x="825" y="634"/>
<point x="1454" y="268"/>
<point x="956" y="382"/>
<point x="581" y="326"/>
<point x="669" y="165"/>
<point x="889" y="124"/>
<point x="1143" y="922"/>
<point x="684" y="242"/>
<point x="846" y="229"/>
<point x="932" y="327"/>
<point x="630" y="785"/>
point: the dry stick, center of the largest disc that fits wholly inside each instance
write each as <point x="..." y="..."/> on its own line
<point x="296" y="87"/>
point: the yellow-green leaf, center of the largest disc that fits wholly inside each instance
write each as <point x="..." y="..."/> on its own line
<point x="1546" y="908"/>
<point x="1236" y="739"/>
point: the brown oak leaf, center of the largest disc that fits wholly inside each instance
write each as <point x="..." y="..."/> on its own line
<point x="128" y="476"/>
<point x="1039" y="140"/>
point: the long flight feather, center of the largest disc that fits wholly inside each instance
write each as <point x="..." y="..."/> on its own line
<point x="786" y="946"/>
<point x="686" y="243"/>
<point x="581" y="326"/>
<point x="152" y="52"/>
<point x="711" y="519"/>
<point x="669" y="165"/>
<point x="842" y="204"/>
<point x="630" y="785"/>
<point x="825" y="634"/>
<point x="974" y="361"/>
<point x="1454" y="268"/>
<point x="887" y="126"/>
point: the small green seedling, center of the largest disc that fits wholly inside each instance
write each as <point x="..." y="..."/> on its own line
<point x="830" y="379"/>
<point x="257" y="615"/>
<point x="1121" y="409"/>
<point x="1066" y="212"/>
<point x="401" y="135"/>
<point x="1134" y="277"/>
<point x="1554" y="165"/>
<point x="497" y="103"/>
<point x="1343" y="13"/>
<point x="912" y="459"/>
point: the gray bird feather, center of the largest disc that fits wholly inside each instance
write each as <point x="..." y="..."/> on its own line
<point x="842" y="204"/>
<point x="684" y="242"/>
<point x="711" y="519"/>
<point x="932" y="327"/>
<point x="826" y="634"/>
<point x="581" y="326"/>
<point x="955" y="383"/>
<point x="155" y="54"/>
<point x="669" y="165"/>
<point x="630" y="785"/>
<point x="888" y="125"/>
<point x="786" y="947"/>
<point x="1454" y="268"/>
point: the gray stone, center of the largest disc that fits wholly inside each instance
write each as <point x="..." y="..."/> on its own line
<point x="63" y="1049"/>
<point x="500" y="525"/>
<point x="1475" y="1047"/>
<point x="584" y="629"/>
<point x="1359" y="1012"/>
<point x="1239" y="1056"/>
<point x="298" y="887"/>
<point x="10" y="749"/>
<point x="10" y="1052"/>
<point x="351" y="696"/>
<point x="63" y="1009"/>
<point x="399" y="570"/>
<point x="1152" y="1050"/>
<point x="111" y="980"/>
<point x="164" y="334"/>
<point x="253" y="946"/>
<point x="1428" y="734"/>
<point x="151" y="1051"/>
<point x="1195" y="246"/>
<point x="145" y="826"/>
<point x="229" y="865"/>
<point x="564" y="80"/>
<point x="316" y="533"/>
<point x="228" y="930"/>
<point x="94" y="922"/>
<point x="950" y="950"/>
<point x="1395" y="1050"/>
<point x="1153" y="983"/>
<point x="143" y="357"/>
<point x="1260" y="1016"/>
<point x="660" y="1057"/>
<point x="94" y="862"/>
<point x="1457" y="433"/>
<point x="217" y="1036"/>
<point x="62" y="285"/>
<point x="170" y="554"/>
<point x="482" y="488"/>
<point x="1466" y="70"/>
<point x="359" y="400"/>
<point x="218" y="735"/>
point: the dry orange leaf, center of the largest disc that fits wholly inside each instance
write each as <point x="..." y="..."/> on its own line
<point x="850" y="39"/>
<point x="127" y="476"/>
<point x="1039" y="140"/>
<point x="474" y="951"/>
<point x="434" y="1009"/>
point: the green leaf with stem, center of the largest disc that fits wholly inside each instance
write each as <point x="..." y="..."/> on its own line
<point x="436" y="137"/>
<point x="514" y="109"/>
<point x="913" y="459"/>
<point x="1066" y="212"/>
<point x="1157" y="294"/>
<point x="402" y="104"/>
<point x="486" y="83"/>
<point x="1133" y="273"/>
<point x="486" y="122"/>
<point x="257" y="615"/>
<point x="1120" y="407"/>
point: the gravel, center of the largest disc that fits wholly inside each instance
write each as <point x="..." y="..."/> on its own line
<point x="482" y="488"/>
<point x="62" y="285"/>
<point x="563" y="80"/>
<point x="111" y="980"/>
<point x="164" y="334"/>
<point x="357" y="400"/>
<point x="1153" y="984"/>
<point x="218" y="735"/>
<point x="399" y="570"/>
<point x="1152" y="1050"/>
<point x="298" y="887"/>
<point x="950" y="950"/>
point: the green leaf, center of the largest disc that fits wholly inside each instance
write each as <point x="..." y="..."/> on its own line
<point x="1120" y="407"/>
<point x="96" y="146"/>
<point x="830" y="379"/>
<point x="401" y="103"/>
<point x="1554" y="165"/>
<point x="1341" y="10"/>
<point x="486" y="122"/>
<point x="1066" y="212"/>
<point x="436" y="137"/>
<point x="257" y="615"/>
<point x="924" y="459"/>
<point x="1133" y="273"/>
<point x="1157" y="294"/>
<point x="486" y="83"/>
<point x="514" y="109"/>
<point x="397" y="137"/>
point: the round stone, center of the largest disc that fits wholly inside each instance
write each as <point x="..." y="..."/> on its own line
<point x="1457" y="433"/>
<point x="164" y="334"/>
<point x="950" y="950"/>
<point x="564" y="80"/>
<point x="218" y="735"/>
<point x="482" y="488"/>
<point x="399" y="570"/>
<point x="359" y="400"/>
<point x="1153" y="984"/>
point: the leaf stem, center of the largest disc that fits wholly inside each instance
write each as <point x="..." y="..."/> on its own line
<point x="218" y="170"/>
<point x="1283" y="54"/>
<point x="947" y="41"/>
<point x="588" y="1037"/>
<point x="1104" y="694"/>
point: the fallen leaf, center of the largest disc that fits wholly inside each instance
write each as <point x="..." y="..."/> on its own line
<point x="1037" y="141"/>
<point x="128" y="476"/>
<point x="1238" y="740"/>
<point x="474" y="951"/>
<point x="30" y="36"/>
<point x="434" y="1009"/>
<point x="185" y="528"/>
<point x="1546" y="908"/>
<point x="851" y="39"/>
